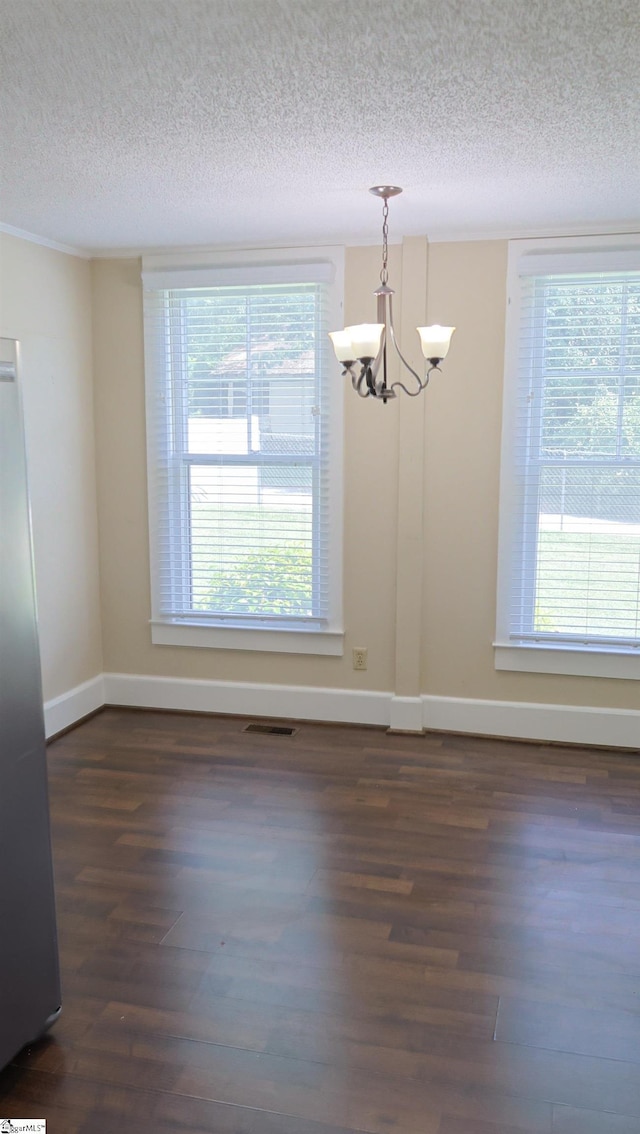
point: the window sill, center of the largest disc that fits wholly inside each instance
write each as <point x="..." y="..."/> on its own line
<point x="268" y="640"/>
<point x="588" y="662"/>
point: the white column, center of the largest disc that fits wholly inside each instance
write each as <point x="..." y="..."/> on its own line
<point x="406" y="707"/>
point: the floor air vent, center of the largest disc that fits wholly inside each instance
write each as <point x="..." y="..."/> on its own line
<point x="274" y="729"/>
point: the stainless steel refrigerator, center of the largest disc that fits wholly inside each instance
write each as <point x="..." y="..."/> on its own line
<point x="29" y="974"/>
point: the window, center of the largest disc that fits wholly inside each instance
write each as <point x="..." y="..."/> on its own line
<point x="569" y="579"/>
<point x="244" y="440"/>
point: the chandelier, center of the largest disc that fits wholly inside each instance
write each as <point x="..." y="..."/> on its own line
<point x="362" y="349"/>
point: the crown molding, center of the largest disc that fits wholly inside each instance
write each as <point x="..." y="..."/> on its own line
<point x="458" y="236"/>
<point x="33" y="238"/>
<point x="220" y="249"/>
<point x="437" y="236"/>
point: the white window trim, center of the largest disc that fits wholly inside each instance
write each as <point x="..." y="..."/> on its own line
<point x="585" y="662"/>
<point x="540" y="256"/>
<point x="329" y="638"/>
<point x="248" y="638"/>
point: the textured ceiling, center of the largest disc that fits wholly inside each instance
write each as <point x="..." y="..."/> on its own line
<point x="155" y="123"/>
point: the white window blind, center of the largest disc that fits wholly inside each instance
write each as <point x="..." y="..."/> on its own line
<point x="574" y="519"/>
<point x="240" y="445"/>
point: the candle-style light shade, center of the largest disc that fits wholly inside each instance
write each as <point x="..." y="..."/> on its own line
<point x="435" y="341"/>
<point x="342" y="345"/>
<point x="365" y="339"/>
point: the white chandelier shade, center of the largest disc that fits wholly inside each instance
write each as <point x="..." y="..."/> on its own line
<point x="361" y="341"/>
<point x="435" y="341"/>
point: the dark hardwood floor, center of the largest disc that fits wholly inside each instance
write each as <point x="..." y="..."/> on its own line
<point x="342" y="930"/>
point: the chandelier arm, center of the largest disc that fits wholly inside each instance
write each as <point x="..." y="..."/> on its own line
<point x="423" y="385"/>
<point x="357" y="383"/>
<point x="399" y="352"/>
<point x="411" y="393"/>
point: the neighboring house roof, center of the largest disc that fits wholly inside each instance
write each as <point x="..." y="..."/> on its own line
<point x="264" y="361"/>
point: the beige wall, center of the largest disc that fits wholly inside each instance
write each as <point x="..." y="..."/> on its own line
<point x="442" y="449"/>
<point x="45" y="303"/>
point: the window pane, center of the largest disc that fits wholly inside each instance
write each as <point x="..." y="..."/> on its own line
<point x="252" y="362"/>
<point x="249" y="364"/>
<point x="588" y="552"/>
<point x="631" y="420"/>
<point x="589" y="365"/>
<point x="570" y="512"/>
<point x="252" y="539"/>
<point x="583" y="419"/>
<point x="582" y="325"/>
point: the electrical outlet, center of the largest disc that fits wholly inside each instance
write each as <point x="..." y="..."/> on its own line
<point x="359" y="657"/>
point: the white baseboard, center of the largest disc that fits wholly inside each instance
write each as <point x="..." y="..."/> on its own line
<point x="574" y="724"/>
<point x="298" y="701"/>
<point x="65" y="710"/>
<point x="571" y="724"/>
<point x="406" y="714"/>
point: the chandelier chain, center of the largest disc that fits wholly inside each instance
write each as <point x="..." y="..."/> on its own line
<point x="384" y="274"/>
